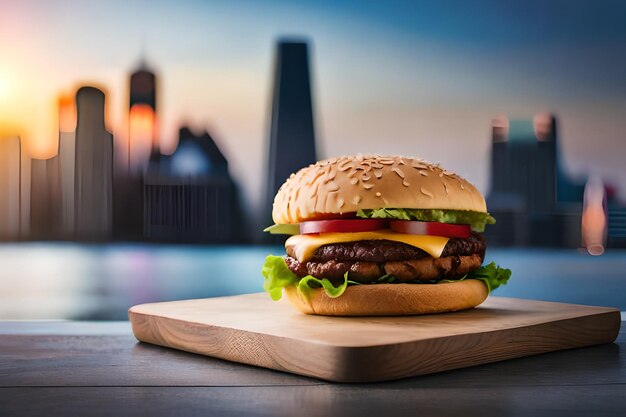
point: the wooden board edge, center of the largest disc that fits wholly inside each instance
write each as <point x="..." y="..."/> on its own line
<point x="460" y="351"/>
<point x="241" y="346"/>
<point x="370" y="363"/>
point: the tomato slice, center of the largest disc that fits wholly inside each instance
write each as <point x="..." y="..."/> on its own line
<point x="430" y="228"/>
<point x="342" y="226"/>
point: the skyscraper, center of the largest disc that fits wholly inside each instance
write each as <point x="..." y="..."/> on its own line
<point x="142" y="119"/>
<point x="534" y="201"/>
<point x="45" y="198"/>
<point x="10" y="178"/>
<point x="66" y="161"/>
<point x="93" y="169"/>
<point x="524" y="161"/>
<point x="189" y="196"/>
<point x="133" y="156"/>
<point x="292" y="134"/>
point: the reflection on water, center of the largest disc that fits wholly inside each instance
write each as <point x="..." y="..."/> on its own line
<point x="70" y="281"/>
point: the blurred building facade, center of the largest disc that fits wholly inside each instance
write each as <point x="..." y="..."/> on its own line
<point x="88" y="192"/>
<point x="93" y="187"/>
<point x="616" y="222"/>
<point x="131" y="160"/>
<point x="45" y="198"/>
<point x="292" y="132"/>
<point x="616" y="237"/>
<point x="189" y="196"/>
<point x="534" y="202"/>
<point x="10" y="188"/>
<point x="66" y="165"/>
<point x="142" y="119"/>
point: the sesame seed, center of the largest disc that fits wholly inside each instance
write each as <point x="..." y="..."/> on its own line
<point x="356" y="199"/>
<point x="378" y="173"/>
<point x="368" y="186"/>
<point x="406" y="184"/>
<point x="344" y="166"/>
<point x="424" y="173"/>
<point x="416" y="163"/>
<point x="398" y="171"/>
<point x="426" y="192"/>
<point x="378" y="194"/>
<point x="354" y="181"/>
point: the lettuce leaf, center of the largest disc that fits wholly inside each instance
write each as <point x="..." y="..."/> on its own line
<point x="477" y="220"/>
<point x="492" y="275"/>
<point x="283" y="229"/>
<point x="278" y="276"/>
<point x="304" y="289"/>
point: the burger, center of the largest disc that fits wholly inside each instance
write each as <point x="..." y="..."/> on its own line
<point x="380" y="235"/>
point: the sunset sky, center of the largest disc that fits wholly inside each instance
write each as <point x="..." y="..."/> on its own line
<point x="416" y="78"/>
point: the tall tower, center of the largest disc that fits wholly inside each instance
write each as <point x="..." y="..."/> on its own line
<point x="45" y="198"/>
<point x="93" y="187"/>
<point x="142" y="120"/>
<point x="133" y="157"/>
<point x="292" y="135"/>
<point x="532" y="198"/>
<point x="67" y="157"/>
<point x="524" y="160"/>
<point x="10" y="187"/>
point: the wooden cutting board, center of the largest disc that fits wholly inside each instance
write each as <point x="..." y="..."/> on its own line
<point x="253" y="329"/>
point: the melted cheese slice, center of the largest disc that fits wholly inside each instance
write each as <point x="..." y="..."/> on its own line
<point x="304" y="246"/>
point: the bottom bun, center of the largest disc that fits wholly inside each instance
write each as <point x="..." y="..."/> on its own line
<point x="392" y="299"/>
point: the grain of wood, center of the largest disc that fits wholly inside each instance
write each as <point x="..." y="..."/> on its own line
<point x="254" y="330"/>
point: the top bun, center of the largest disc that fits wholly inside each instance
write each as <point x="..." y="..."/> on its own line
<point x="350" y="183"/>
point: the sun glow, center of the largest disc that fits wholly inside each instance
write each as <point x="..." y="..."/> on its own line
<point x="67" y="113"/>
<point x="4" y="87"/>
<point x="142" y="135"/>
<point x="9" y="122"/>
<point x="23" y="113"/>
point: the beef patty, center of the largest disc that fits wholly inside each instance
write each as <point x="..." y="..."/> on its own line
<point x="367" y="260"/>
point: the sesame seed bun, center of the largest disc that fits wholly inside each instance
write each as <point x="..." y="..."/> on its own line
<point x="393" y="299"/>
<point x="350" y="183"/>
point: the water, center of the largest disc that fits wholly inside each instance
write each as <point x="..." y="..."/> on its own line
<point x="100" y="282"/>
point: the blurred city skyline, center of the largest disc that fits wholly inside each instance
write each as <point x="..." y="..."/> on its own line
<point x="385" y="78"/>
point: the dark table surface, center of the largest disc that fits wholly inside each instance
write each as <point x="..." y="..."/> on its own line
<point x="98" y="368"/>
